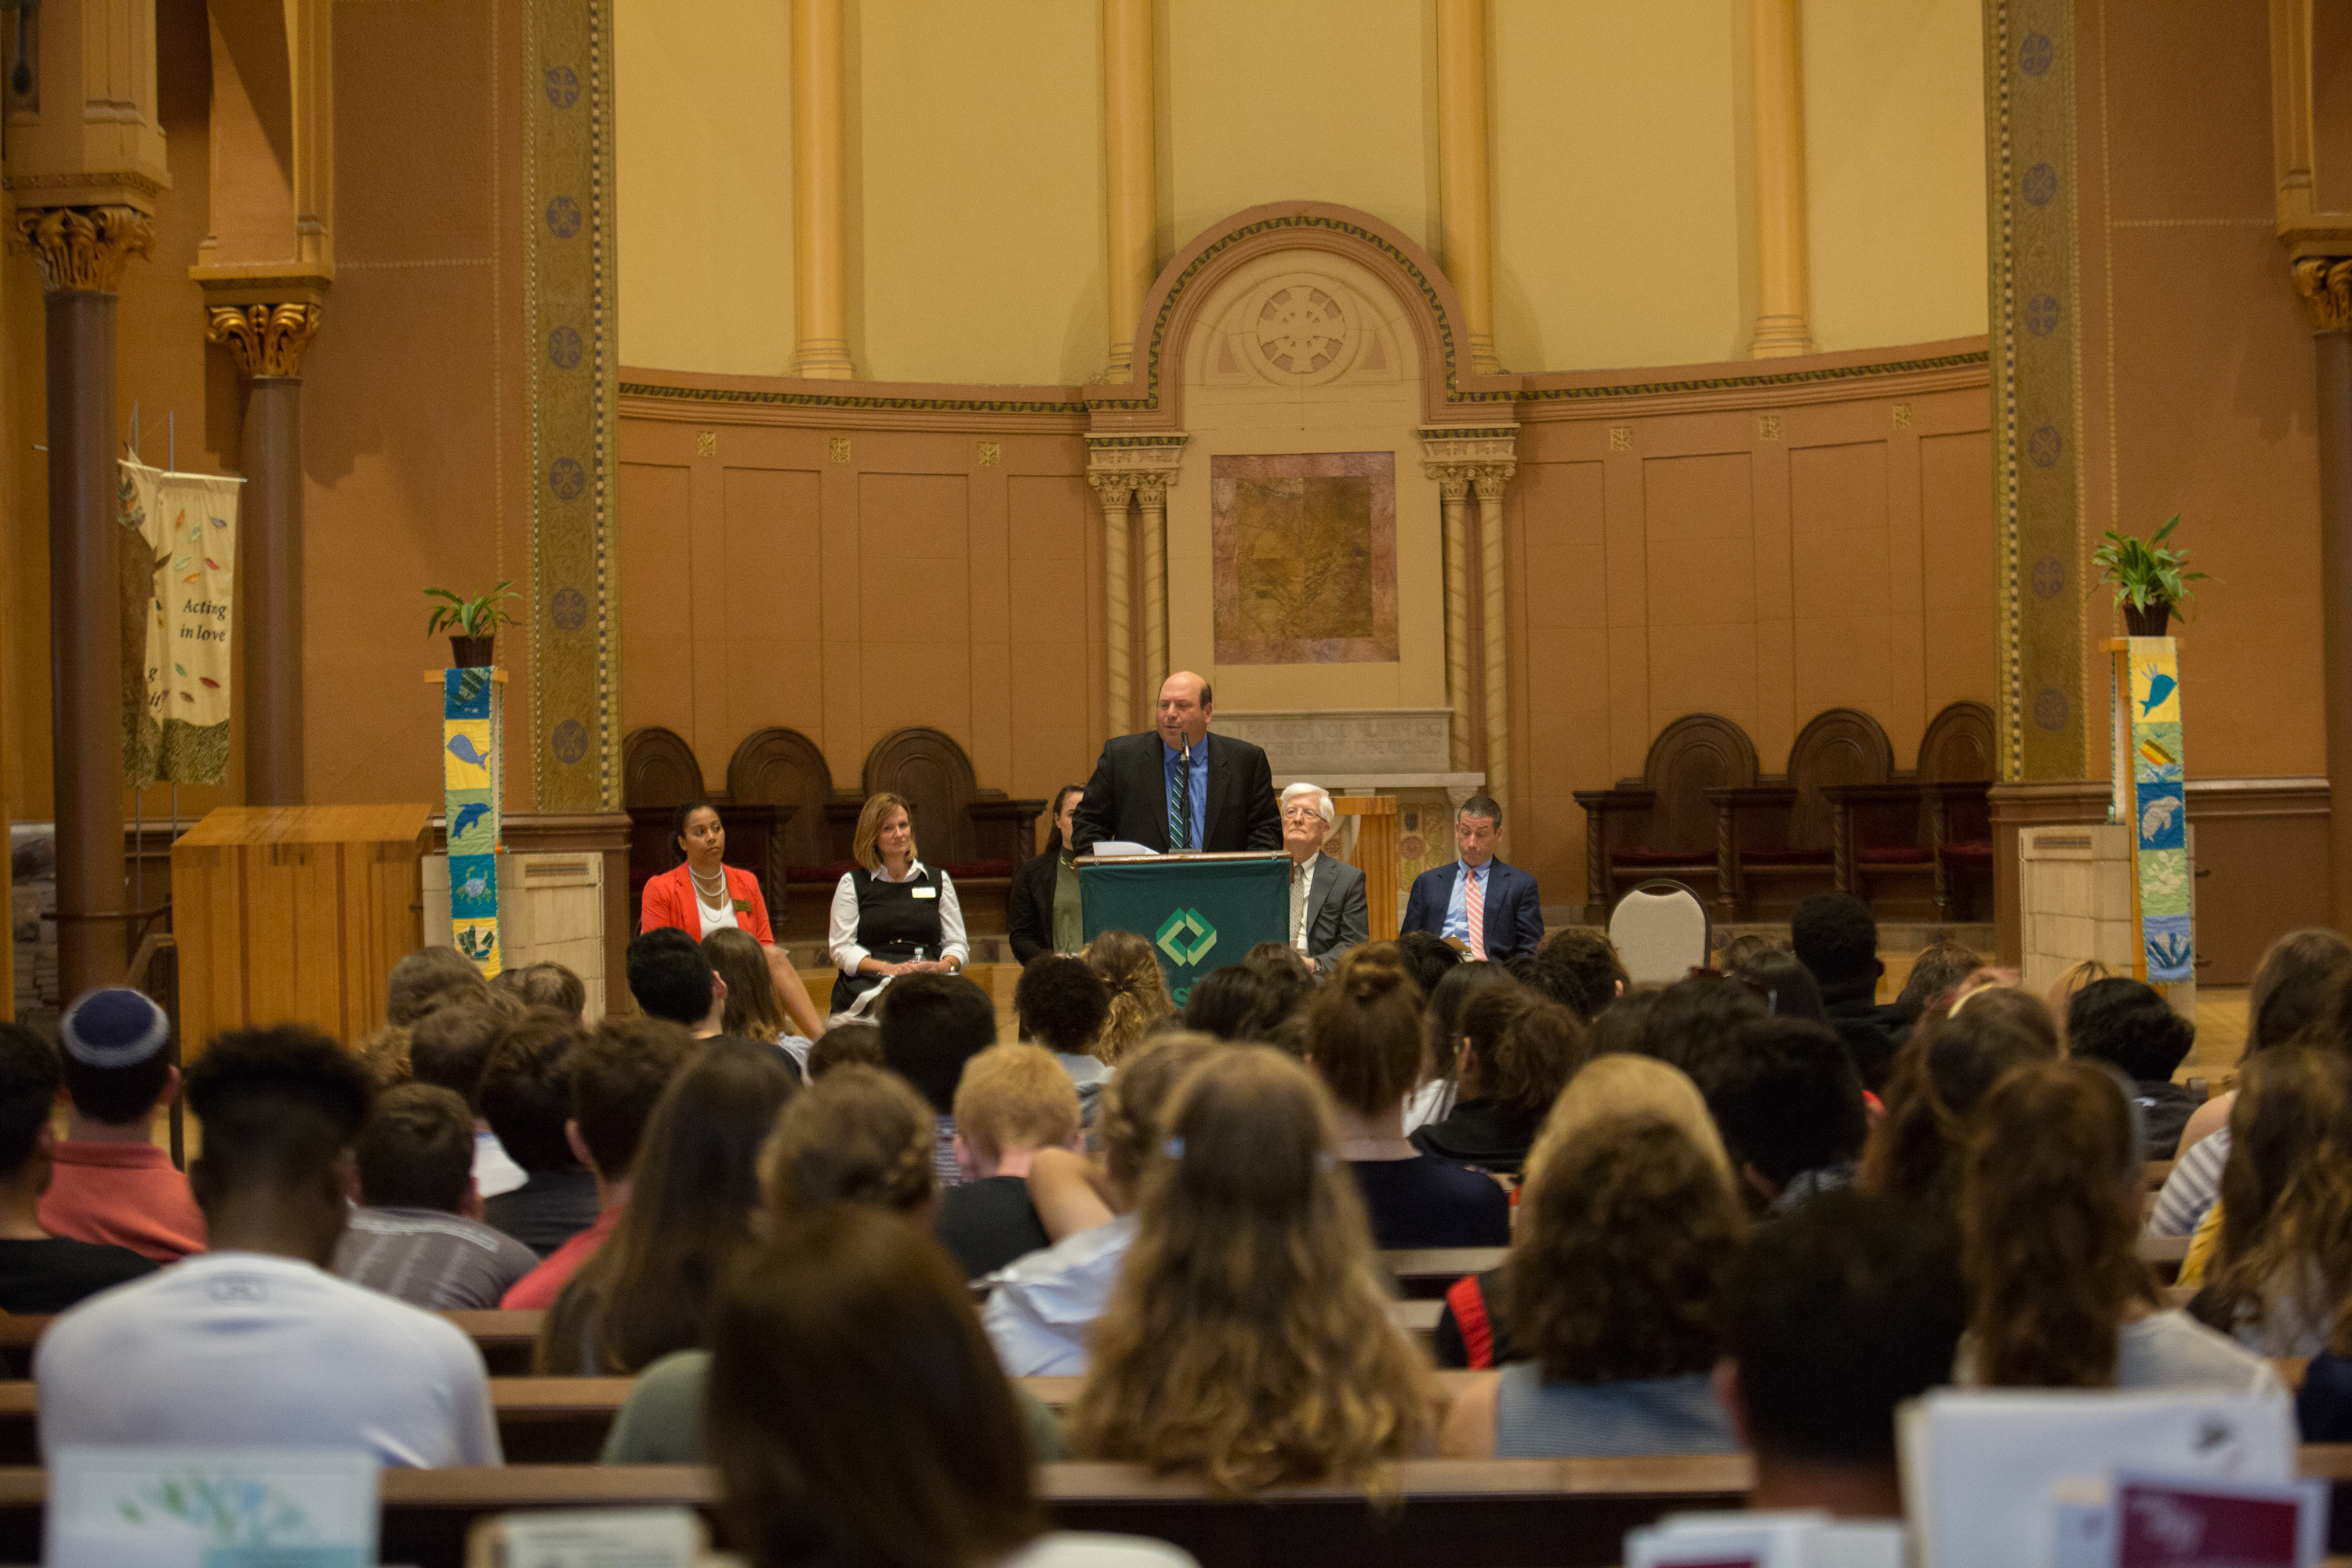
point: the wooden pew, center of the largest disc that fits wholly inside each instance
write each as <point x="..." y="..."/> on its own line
<point x="1427" y="1275"/>
<point x="506" y="1339"/>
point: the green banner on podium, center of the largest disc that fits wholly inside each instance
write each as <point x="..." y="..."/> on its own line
<point x="1199" y="912"/>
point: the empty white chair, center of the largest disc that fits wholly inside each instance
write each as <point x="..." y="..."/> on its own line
<point x="1660" y="930"/>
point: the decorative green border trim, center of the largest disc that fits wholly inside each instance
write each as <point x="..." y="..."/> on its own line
<point x="1772" y="378"/>
<point x="1105" y="443"/>
<point x="844" y="400"/>
<point x="1467" y="432"/>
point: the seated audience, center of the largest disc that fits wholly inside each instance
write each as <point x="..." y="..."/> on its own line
<point x="855" y="1417"/>
<point x="2049" y="1218"/>
<point x="422" y="980"/>
<point x="1062" y="1004"/>
<point x="384" y="1055"/>
<point x="1785" y="986"/>
<point x="545" y="984"/>
<point x="2134" y="1029"/>
<point x="1515" y="1054"/>
<point x="618" y="1073"/>
<point x="1012" y="1101"/>
<point x="853" y="1042"/>
<point x="1433" y="1097"/>
<point x="1044" y="1305"/>
<point x="108" y="1184"/>
<point x="1247" y="1342"/>
<point x="40" y="1272"/>
<point x="1831" y="1319"/>
<point x="1489" y="906"/>
<point x="255" y="1342"/>
<point x="1474" y="1327"/>
<point x="1580" y="968"/>
<point x="2294" y="988"/>
<point x="1915" y="1152"/>
<point x="450" y="1046"/>
<point x="1328" y="910"/>
<point x="2282" y="1267"/>
<point x="1936" y="974"/>
<point x="1691" y="1017"/>
<point x="693" y="1186"/>
<point x="1784" y="1093"/>
<point x="527" y="1099"/>
<point x="1138" y="991"/>
<point x="1363" y="1036"/>
<point x="417" y="1234"/>
<point x="1613" y="1290"/>
<point x="1042" y="913"/>
<point x="931" y="1025"/>
<point x="753" y="1010"/>
<point x="1836" y="938"/>
<point x="702" y="894"/>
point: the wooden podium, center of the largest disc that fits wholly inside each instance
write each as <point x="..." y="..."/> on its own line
<point x="295" y="914"/>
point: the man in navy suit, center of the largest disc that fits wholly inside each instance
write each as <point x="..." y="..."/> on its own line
<point x="1446" y="898"/>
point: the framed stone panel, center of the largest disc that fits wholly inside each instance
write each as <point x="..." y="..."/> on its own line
<point x="1306" y="558"/>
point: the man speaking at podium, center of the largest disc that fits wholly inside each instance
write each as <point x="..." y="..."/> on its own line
<point x="1178" y="787"/>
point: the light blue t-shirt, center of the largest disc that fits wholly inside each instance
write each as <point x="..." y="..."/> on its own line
<point x="1539" y="1420"/>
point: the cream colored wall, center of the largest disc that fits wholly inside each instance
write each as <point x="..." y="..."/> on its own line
<point x="1895" y="164"/>
<point x="706" y="183"/>
<point x="976" y="207"/>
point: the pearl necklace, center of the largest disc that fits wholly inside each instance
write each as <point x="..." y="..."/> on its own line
<point x="709" y="896"/>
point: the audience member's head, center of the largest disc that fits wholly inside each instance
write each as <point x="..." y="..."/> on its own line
<point x="671" y="978"/>
<point x="384" y="1055"/>
<point x="1692" y="1016"/>
<point x="1440" y="1014"/>
<point x="29" y="1079"/>
<point x="2062" y="990"/>
<point x="1943" y="1071"/>
<point x="1224" y="1002"/>
<point x="1013" y="1099"/>
<point x="1269" y="959"/>
<point x="1285" y="981"/>
<point x="526" y="1094"/>
<point x="1138" y="991"/>
<point x="1626" y="1023"/>
<point x="693" y="1188"/>
<point x="1836" y="937"/>
<point x="854" y="1041"/>
<point x="1785" y="1095"/>
<point x="1427" y="957"/>
<point x="1833" y="1318"/>
<point x="859" y="1134"/>
<point x="1251" y="1252"/>
<point x="1746" y="948"/>
<point x="1518" y="1052"/>
<point x="1363" y="1032"/>
<point x="544" y="985"/>
<point x="1580" y="968"/>
<point x="2300" y="985"/>
<point x="2287" y="1193"/>
<point x="118" y="1058"/>
<point x="424" y="977"/>
<point x="1938" y="972"/>
<point x="931" y="1025"/>
<point x="1610" y="1088"/>
<point x="753" y="1010"/>
<point x="618" y="1073"/>
<point x="278" y="1109"/>
<point x="2131" y="1025"/>
<point x="1060" y="1003"/>
<point x="1785" y="986"/>
<point x="2049" y="1217"/>
<point x="451" y="1045"/>
<point x="1134" y="1102"/>
<point x="856" y="1412"/>
<point x="415" y="1151"/>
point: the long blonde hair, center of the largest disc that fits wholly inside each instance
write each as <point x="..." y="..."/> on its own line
<point x="2286" y="1192"/>
<point x="1138" y="992"/>
<point x="1248" y="1340"/>
<point x="1613" y="1087"/>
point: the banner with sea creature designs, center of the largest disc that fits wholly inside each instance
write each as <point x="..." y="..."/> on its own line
<point x="179" y="580"/>
<point x="2159" y="812"/>
<point x="471" y="719"/>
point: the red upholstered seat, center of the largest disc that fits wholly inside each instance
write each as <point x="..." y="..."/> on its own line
<point x="1637" y="857"/>
<point x="1972" y="854"/>
<point x="832" y="873"/>
<point x="1894" y="855"/>
<point x="1785" y="857"/>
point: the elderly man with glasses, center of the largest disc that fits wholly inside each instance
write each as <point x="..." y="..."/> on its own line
<point x="1328" y="913"/>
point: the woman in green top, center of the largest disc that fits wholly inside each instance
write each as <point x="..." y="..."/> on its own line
<point x="1042" y="913"/>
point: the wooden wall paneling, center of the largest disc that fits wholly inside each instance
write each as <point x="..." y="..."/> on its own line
<point x="705" y="539"/>
<point x="768" y="602"/>
<point x="1626" y="506"/>
<point x="1555" y="518"/>
<point x="990" y="545"/>
<point x="657" y="633"/>
<point x="1840" y="557"/>
<point x="1906" y="663"/>
<point x="1956" y="591"/>
<point x="1776" y="713"/>
<point x="1053" y="630"/>
<point x="915" y="647"/>
<point x="838" y="500"/>
<point x="2262" y="869"/>
<point x="1701" y="572"/>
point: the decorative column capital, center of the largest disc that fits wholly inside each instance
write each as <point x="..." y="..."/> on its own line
<point x="82" y="249"/>
<point x="1142" y="467"/>
<point x="1453" y="481"/>
<point x="2326" y="284"/>
<point x="1490" y="478"/>
<point x="264" y="340"/>
<point x="1113" y="491"/>
<point x="1484" y="456"/>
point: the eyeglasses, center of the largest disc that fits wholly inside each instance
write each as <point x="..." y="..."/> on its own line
<point x="1302" y="814"/>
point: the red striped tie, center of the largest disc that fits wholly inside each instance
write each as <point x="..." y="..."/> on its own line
<point x="1474" y="912"/>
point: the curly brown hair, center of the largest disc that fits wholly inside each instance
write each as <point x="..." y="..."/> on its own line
<point x="857" y="1135"/>
<point x="1363" y="1030"/>
<point x="2286" y="1192"/>
<point x="1248" y="1340"/>
<point x="2049" y="1217"/>
<point x="1617" y="1276"/>
<point x="1939" y="1075"/>
<point x="1138" y="991"/>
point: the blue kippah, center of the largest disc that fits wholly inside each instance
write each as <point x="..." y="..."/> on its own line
<point x="113" y="1026"/>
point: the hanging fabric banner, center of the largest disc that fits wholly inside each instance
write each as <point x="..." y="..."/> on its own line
<point x="179" y="580"/>
<point x="2148" y="739"/>
<point x="470" y="753"/>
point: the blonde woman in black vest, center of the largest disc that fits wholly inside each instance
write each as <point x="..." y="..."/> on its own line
<point x="892" y="915"/>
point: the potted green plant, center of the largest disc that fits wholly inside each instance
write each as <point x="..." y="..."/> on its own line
<point x="472" y="624"/>
<point x="2150" y="583"/>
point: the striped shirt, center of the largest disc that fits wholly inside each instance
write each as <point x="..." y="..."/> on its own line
<point x="2194" y="1186"/>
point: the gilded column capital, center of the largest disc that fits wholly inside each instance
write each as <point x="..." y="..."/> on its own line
<point x="1490" y="478"/>
<point x="82" y="249"/>
<point x="1152" y="490"/>
<point x="1453" y="481"/>
<point x="1113" y="490"/>
<point x="2326" y="284"/>
<point x="264" y="340"/>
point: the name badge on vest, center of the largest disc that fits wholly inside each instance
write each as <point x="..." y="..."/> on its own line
<point x="924" y="893"/>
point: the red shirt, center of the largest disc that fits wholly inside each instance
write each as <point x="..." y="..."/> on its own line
<point x="669" y="901"/>
<point x="537" y="1290"/>
<point x="122" y="1195"/>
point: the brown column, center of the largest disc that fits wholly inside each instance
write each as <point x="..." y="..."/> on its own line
<point x="267" y="342"/>
<point x="2326" y="285"/>
<point x="81" y="252"/>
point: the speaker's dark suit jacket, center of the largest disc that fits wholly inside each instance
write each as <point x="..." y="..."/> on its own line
<point x="1127" y="797"/>
<point x="1514" y="912"/>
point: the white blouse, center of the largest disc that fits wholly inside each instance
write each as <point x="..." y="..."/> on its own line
<point x="841" y="937"/>
<point x="719" y="916"/>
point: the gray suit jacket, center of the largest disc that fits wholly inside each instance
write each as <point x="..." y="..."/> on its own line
<point x="1336" y="916"/>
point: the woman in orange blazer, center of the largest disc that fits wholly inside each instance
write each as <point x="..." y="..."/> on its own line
<point x="704" y="894"/>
